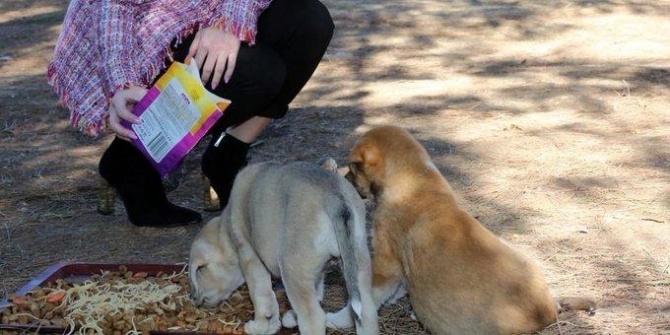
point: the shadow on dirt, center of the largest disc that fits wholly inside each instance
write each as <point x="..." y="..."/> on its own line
<point x="49" y="178"/>
<point x="27" y="35"/>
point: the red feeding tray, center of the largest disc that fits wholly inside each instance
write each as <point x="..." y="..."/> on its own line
<point x="83" y="271"/>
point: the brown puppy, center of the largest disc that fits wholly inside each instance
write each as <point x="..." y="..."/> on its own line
<point x="460" y="277"/>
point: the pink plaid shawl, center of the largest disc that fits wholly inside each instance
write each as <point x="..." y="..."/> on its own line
<point x="105" y="45"/>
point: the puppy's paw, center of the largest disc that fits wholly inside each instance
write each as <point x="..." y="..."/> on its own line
<point x="290" y="319"/>
<point x="262" y="327"/>
<point x="340" y="319"/>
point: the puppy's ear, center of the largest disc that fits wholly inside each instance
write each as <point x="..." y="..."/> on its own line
<point x="370" y="158"/>
<point x="328" y="164"/>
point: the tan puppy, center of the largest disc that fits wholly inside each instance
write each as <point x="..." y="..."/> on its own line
<point x="460" y="277"/>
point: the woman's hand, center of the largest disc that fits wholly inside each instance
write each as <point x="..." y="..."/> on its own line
<point x="120" y="109"/>
<point x="215" y="51"/>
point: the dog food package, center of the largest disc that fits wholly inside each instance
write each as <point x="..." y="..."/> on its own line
<point x="176" y="113"/>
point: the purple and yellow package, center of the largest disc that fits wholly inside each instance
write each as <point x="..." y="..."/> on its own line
<point x="176" y="113"/>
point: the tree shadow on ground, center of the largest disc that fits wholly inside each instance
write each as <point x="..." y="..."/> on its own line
<point x="386" y="42"/>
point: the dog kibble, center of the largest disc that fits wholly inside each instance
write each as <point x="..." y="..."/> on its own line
<point x="57" y="304"/>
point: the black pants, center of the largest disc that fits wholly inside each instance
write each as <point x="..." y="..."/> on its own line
<point x="292" y="37"/>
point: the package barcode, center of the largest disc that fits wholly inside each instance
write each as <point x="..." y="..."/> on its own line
<point x="158" y="147"/>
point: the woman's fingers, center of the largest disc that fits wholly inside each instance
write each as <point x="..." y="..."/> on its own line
<point x="200" y="57"/>
<point x="215" y="52"/>
<point x="193" y="49"/>
<point x="210" y="66"/>
<point x="115" y="126"/>
<point x="135" y="93"/>
<point x="125" y="100"/>
<point x="218" y="70"/>
<point x="121" y="109"/>
<point x="232" y="58"/>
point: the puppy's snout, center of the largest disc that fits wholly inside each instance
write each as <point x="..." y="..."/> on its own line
<point x="197" y="301"/>
<point x="196" y="298"/>
<point x="349" y="177"/>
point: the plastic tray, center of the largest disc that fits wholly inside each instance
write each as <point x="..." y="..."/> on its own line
<point x="74" y="271"/>
<point x="82" y="271"/>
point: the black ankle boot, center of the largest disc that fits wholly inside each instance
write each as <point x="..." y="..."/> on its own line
<point x="224" y="157"/>
<point x="141" y="189"/>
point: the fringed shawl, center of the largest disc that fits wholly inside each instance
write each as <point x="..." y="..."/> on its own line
<point x="106" y="45"/>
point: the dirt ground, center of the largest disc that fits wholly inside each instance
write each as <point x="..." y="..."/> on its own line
<point x="550" y="119"/>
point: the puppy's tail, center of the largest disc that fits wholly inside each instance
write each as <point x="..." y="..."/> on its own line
<point x="575" y="304"/>
<point x="345" y="234"/>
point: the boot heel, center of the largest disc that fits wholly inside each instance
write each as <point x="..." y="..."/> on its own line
<point x="106" y="198"/>
<point x="209" y="196"/>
